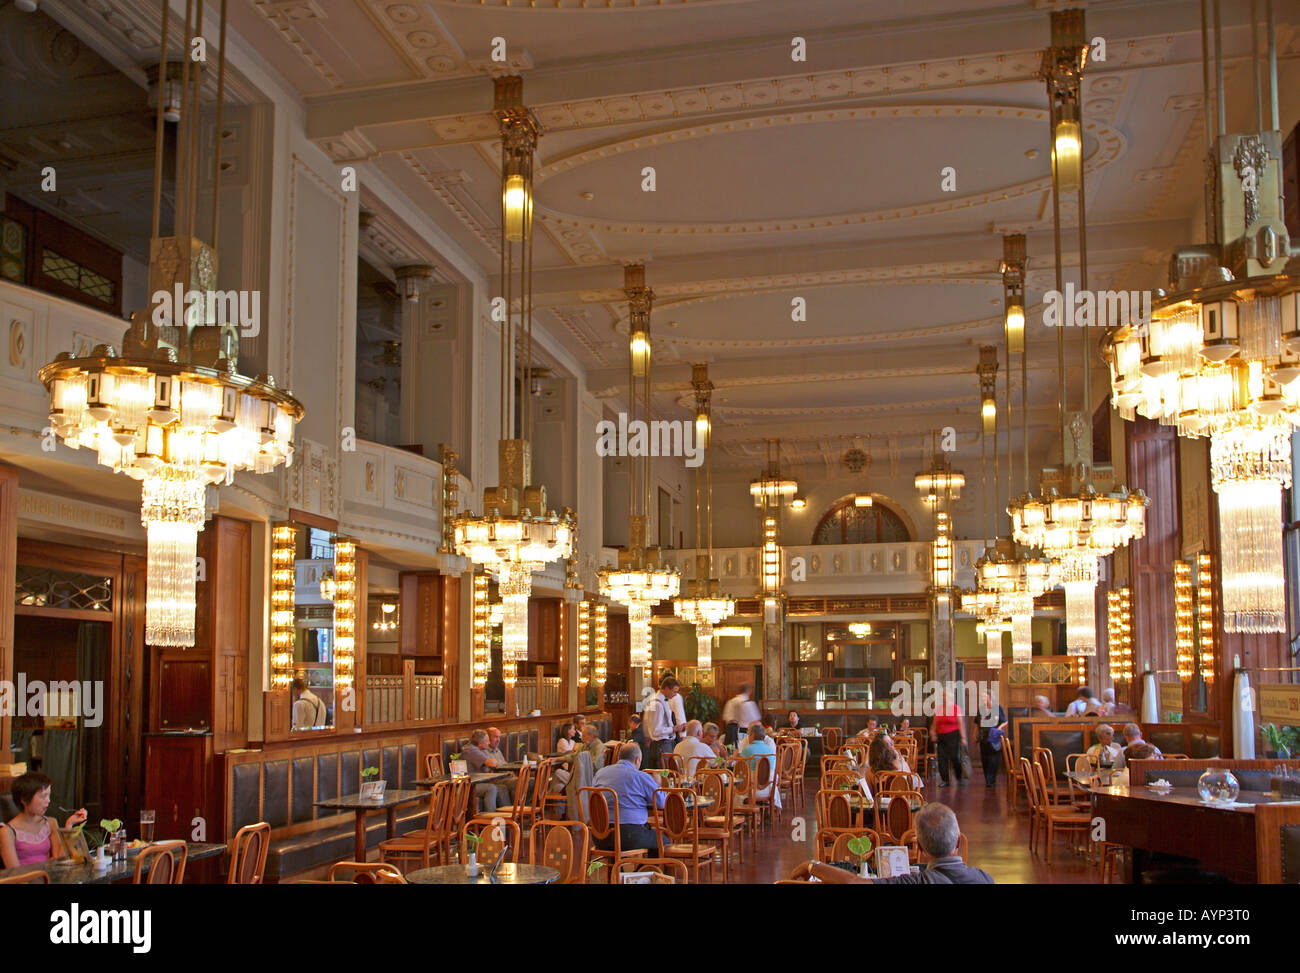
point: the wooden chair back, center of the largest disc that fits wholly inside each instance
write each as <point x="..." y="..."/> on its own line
<point x="524" y="797"/>
<point x="831" y="744"/>
<point x="367" y="873"/>
<point x="673" y="867"/>
<point x="899" y="813"/>
<point x="602" y="813"/>
<point x="787" y="760"/>
<point x="892" y="781"/>
<point x="248" y="854"/>
<point x="671" y="761"/>
<point x="834" y="809"/>
<point x="834" y="761"/>
<point x="742" y="778"/>
<point x="162" y="863"/>
<point x="30" y="878"/>
<point x="564" y="846"/>
<point x="832" y="844"/>
<point x="1031" y="785"/>
<point x="858" y="751"/>
<point x="493" y="836"/>
<point x="433" y="764"/>
<point x="717" y="785"/>
<point x="678" y="823"/>
<point x="458" y="800"/>
<point x="839" y="780"/>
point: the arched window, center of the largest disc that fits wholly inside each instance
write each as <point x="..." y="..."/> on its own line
<point x="846" y="523"/>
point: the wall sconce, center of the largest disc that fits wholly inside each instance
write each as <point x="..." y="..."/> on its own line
<point x="283" y="537"/>
<point x="345" y="610"/>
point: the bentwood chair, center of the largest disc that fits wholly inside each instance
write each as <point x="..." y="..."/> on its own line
<point x="925" y="757"/>
<point x="860" y="753"/>
<point x="366" y="873"/>
<point x="787" y="768"/>
<point x="835" y="761"/>
<point x="433" y="765"/>
<point x="765" y="789"/>
<point x="430" y="841"/>
<point x="1055" y="817"/>
<point x="831" y="743"/>
<point x="30" y="878"/>
<point x="521" y="812"/>
<point x="1015" y="775"/>
<point x="743" y="788"/>
<point x="673" y="868"/>
<point x="832" y="844"/>
<point x="896" y="817"/>
<point x="670" y="761"/>
<point x="162" y="863"/>
<point x="721" y="826"/>
<point x="493" y="837"/>
<point x="564" y="846"/>
<point x="543" y="798"/>
<point x="248" y="854"/>
<point x="603" y="823"/>
<point x="679" y="831"/>
<point x="835" y="809"/>
<point x="458" y="808"/>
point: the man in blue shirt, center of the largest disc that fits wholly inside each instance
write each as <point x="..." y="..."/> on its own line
<point x="635" y="791"/>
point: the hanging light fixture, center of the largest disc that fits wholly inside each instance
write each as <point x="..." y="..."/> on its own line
<point x="1218" y="357"/>
<point x="1079" y="524"/>
<point x="859" y="630"/>
<point x="171" y="410"/>
<point x="1119" y="627"/>
<point x="639" y="581"/>
<point x="515" y="535"/>
<point x="702" y="603"/>
<point x="940" y="486"/>
<point x="481" y="660"/>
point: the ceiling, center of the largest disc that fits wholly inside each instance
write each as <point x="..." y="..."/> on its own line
<point x="778" y="179"/>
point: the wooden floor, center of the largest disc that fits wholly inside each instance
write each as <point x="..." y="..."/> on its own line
<point x="998" y="840"/>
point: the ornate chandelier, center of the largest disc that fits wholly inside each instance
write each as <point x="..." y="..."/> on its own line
<point x="171" y="410"/>
<point x="703" y="604"/>
<point x="1219" y="357"/>
<point x="639" y="581"/>
<point x="515" y="535"/>
<point x="1078" y="524"/>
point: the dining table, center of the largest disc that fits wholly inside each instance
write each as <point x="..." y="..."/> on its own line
<point x="486" y="777"/>
<point x="361" y="806"/>
<point x="64" y="871"/>
<point x="508" y="873"/>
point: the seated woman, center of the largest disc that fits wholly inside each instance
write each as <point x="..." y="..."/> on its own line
<point x="31" y="837"/>
<point x="565" y="744"/>
<point x="883" y="757"/>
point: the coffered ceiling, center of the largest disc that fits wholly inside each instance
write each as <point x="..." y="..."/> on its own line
<point x="778" y="179"/>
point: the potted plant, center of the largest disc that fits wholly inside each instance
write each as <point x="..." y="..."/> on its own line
<point x="700" y="705"/>
<point x="1281" y="741"/>
<point x="372" y="789"/>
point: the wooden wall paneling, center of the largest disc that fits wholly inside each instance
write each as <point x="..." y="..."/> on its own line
<point x="1153" y="467"/>
<point x="8" y="579"/>
<point x="129" y="676"/>
<point x="408" y="597"/>
<point x="454" y="655"/>
<point x="230" y="588"/>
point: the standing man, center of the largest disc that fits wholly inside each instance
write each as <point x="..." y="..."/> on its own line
<point x="658" y="722"/>
<point x="308" y="710"/>
<point x="739" y="713"/>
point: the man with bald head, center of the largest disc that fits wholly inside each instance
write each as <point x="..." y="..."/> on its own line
<point x="693" y="749"/>
<point x="634" y="791"/>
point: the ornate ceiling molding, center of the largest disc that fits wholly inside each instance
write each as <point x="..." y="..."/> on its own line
<point x="1110" y="143"/>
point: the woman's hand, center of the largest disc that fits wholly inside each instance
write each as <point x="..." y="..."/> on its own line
<point x="77" y="817"/>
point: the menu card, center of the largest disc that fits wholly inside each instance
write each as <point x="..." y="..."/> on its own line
<point x="891" y="861"/>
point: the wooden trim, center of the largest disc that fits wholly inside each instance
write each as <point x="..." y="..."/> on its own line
<point x="8" y="580"/>
<point x="76" y="614"/>
<point x="1269" y="819"/>
<point x="312" y="520"/>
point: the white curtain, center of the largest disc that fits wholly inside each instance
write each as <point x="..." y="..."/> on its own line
<point x="1243" y="718"/>
<point x="1150" y="698"/>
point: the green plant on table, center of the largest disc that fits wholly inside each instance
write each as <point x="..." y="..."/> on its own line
<point x="594" y="867"/>
<point x="369" y="772"/>
<point x="860" y="846"/>
<point x="1283" y="740"/>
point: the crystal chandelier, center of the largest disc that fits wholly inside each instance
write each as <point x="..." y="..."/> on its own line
<point x="639" y="581"/>
<point x="171" y="410"/>
<point x="1219" y="356"/>
<point x="771" y="491"/>
<point x="939" y="486"/>
<point x="703" y="604"/>
<point x="1077" y="524"/>
<point x="515" y="535"/>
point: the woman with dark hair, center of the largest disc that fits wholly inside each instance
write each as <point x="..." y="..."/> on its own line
<point x="30" y="837"/>
<point x="882" y="757"/>
<point x="565" y="743"/>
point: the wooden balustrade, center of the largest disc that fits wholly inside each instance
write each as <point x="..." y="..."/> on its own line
<point x="408" y="698"/>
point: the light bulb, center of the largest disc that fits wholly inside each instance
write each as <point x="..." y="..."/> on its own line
<point x="1015" y="329"/>
<point x="640" y="349"/>
<point x="517" y="202"/>
<point x="1068" y="153"/>
<point x="990" y="413"/>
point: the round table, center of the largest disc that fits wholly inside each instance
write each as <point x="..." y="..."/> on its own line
<point x="507" y="874"/>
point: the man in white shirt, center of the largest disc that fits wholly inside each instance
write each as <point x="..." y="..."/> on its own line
<point x="1083" y="703"/>
<point x="693" y="749"/>
<point x="739" y="714"/>
<point x="1106" y="752"/>
<point x="659" y="723"/>
<point x="308" y="710"/>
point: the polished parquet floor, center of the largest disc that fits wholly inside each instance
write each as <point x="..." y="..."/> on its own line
<point x="998" y="840"/>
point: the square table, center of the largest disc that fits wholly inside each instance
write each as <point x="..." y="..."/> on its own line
<point x="487" y="777"/>
<point x="85" y="873"/>
<point x="361" y="806"/>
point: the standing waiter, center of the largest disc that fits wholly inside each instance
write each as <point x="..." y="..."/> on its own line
<point x="659" y="723"/>
<point x="739" y="714"/>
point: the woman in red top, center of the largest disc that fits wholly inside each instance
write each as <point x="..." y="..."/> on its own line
<point x="949" y="728"/>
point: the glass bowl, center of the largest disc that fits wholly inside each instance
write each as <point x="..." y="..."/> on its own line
<point x="1218" y="787"/>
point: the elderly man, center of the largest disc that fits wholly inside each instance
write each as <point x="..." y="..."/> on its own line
<point x="1135" y="746"/>
<point x="635" y="791"/>
<point x="1105" y="753"/>
<point x="693" y="749"/>
<point x="1041" y="707"/>
<point x="937" y="832"/>
<point x="474" y="753"/>
<point x="593" y="744"/>
<point x="495" y="758"/>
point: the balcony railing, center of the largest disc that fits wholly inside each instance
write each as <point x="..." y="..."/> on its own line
<point x="393" y="700"/>
<point x="537" y="692"/>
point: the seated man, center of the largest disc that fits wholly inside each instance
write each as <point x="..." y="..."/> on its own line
<point x="693" y="749"/>
<point x="634" y="791"/>
<point x="593" y="744"/>
<point x="1106" y="753"/>
<point x="1083" y="702"/>
<point x="1132" y="739"/>
<point x="495" y="758"/>
<point x="476" y="759"/>
<point x="1040" y="707"/>
<point x="937" y="832"/>
<point x="1141" y="751"/>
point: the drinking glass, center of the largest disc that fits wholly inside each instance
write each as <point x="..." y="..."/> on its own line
<point x="146" y="826"/>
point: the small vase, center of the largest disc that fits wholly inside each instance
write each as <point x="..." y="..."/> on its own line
<point x="864" y="870"/>
<point x="471" y="868"/>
